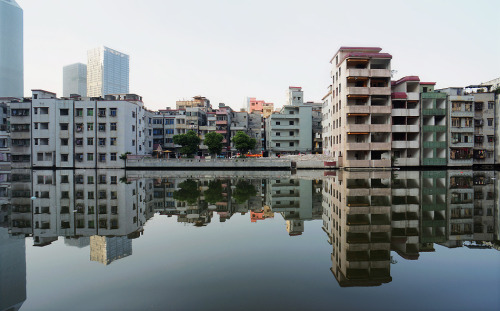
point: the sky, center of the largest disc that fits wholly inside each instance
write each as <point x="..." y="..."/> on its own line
<point x="228" y="50"/>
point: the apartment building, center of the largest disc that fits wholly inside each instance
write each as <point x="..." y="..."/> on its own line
<point x="82" y="132"/>
<point x="484" y="125"/>
<point x="406" y="124"/>
<point x="5" y="161"/>
<point x="357" y="119"/>
<point x="434" y="126"/>
<point x="290" y="130"/>
<point x="433" y="207"/>
<point x="259" y="106"/>
<point x="317" y="129"/>
<point x="197" y="101"/>
<point x="460" y="127"/>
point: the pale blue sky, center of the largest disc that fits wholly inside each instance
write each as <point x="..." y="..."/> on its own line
<point x="228" y="50"/>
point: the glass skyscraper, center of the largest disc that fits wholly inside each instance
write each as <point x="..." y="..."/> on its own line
<point x="11" y="49"/>
<point x="75" y="80"/>
<point x="107" y="72"/>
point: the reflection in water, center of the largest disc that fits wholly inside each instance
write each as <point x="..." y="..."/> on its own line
<point x="366" y="215"/>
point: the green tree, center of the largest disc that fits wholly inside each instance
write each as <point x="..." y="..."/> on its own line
<point x="243" y="143"/>
<point x="243" y="191"/>
<point x="213" y="140"/>
<point x="188" y="141"/>
<point x="214" y="192"/>
<point x="188" y="191"/>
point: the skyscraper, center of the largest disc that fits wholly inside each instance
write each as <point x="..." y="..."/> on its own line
<point x="107" y="72"/>
<point x="75" y="80"/>
<point x="11" y="49"/>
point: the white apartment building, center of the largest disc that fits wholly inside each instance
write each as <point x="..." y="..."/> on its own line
<point x="290" y="131"/>
<point x="75" y="80"/>
<point x="107" y="72"/>
<point x="357" y="114"/>
<point x="11" y="43"/>
<point x="406" y="121"/>
<point x="78" y="133"/>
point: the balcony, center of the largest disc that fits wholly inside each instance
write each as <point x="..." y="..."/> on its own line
<point x="358" y="128"/>
<point x="434" y="112"/>
<point x="357" y="109"/>
<point x="358" y="90"/>
<point x="386" y="73"/>
<point x="385" y="128"/>
<point x="221" y="122"/>
<point x="380" y="146"/>
<point x="405" y="128"/>
<point x="381" y="109"/>
<point x="413" y="96"/>
<point x="358" y="72"/>
<point x="434" y="128"/>
<point x="434" y="144"/>
<point x="357" y="146"/>
<point x="380" y="91"/>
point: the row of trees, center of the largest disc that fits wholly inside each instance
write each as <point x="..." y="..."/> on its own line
<point x="190" y="142"/>
<point x="189" y="191"/>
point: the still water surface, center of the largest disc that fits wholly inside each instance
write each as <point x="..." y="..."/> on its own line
<point x="347" y="241"/>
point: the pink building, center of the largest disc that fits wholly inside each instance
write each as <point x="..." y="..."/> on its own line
<point x="259" y="106"/>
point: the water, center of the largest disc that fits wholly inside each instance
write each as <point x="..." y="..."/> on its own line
<point x="115" y="240"/>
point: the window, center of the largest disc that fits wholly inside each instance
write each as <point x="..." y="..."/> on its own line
<point x="112" y="126"/>
<point x="278" y="123"/>
<point x="455" y="122"/>
<point x="133" y="128"/>
<point x="278" y="133"/>
<point x="278" y="145"/>
<point x="63" y="126"/>
<point x="112" y="141"/>
<point x="64" y="141"/>
<point x="102" y="112"/>
<point x="44" y="110"/>
<point x="90" y="180"/>
<point x="491" y="105"/>
<point x="291" y="133"/>
<point x="64" y="179"/>
<point x="90" y="157"/>
<point x="64" y="157"/>
<point x="112" y="156"/>
<point x="102" y="195"/>
<point x="291" y="112"/>
<point x="102" y="179"/>
<point x="113" y="180"/>
<point x="291" y="144"/>
<point x="114" y="209"/>
<point x="79" y="127"/>
<point x="133" y="114"/>
<point x="64" y="195"/>
<point x="35" y="110"/>
<point x="63" y="112"/>
<point x="90" y="126"/>
<point x="102" y="157"/>
<point x="79" y="157"/>
<point x="113" y="195"/>
<point x="91" y="224"/>
<point x="90" y="112"/>
<point x="79" y="112"/>
<point x="90" y="141"/>
<point x="44" y="141"/>
<point x="490" y="122"/>
<point x="291" y="122"/>
<point x="133" y="142"/>
<point x="102" y="127"/>
<point x="102" y="141"/>
<point x="112" y="112"/>
<point x="491" y="138"/>
<point x="90" y="195"/>
<point x="44" y="126"/>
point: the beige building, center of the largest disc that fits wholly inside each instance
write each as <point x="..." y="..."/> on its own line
<point x="357" y="113"/>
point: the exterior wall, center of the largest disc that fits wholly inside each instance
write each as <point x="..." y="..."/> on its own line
<point x="75" y="80"/>
<point x="11" y="57"/>
<point x="107" y="72"/>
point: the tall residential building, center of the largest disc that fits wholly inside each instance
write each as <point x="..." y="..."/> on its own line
<point x="434" y="129"/>
<point x="75" y="80"/>
<point x="460" y="127"/>
<point x="11" y="49"/>
<point x="406" y="121"/>
<point x="107" y="72"/>
<point x="196" y="102"/>
<point x="357" y="115"/>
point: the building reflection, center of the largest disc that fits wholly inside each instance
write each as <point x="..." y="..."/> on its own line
<point x="366" y="215"/>
<point x="369" y="217"/>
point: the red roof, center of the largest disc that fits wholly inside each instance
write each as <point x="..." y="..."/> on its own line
<point x="406" y="79"/>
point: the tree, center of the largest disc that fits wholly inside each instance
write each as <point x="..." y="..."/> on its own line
<point x="244" y="191"/>
<point x="188" y="141"/>
<point x="188" y="192"/>
<point x="213" y="140"/>
<point x="243" y="143"/>
<point x="214" y="192"/>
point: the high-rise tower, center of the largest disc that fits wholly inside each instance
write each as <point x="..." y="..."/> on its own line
<point x="11" y="49"/>
<point x="75" y="80"/>
<point x="107" y="72"/>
